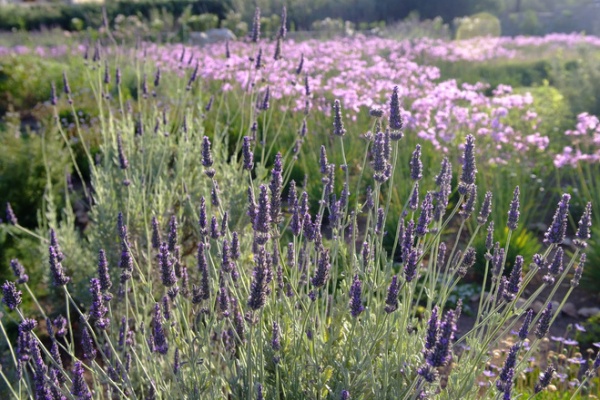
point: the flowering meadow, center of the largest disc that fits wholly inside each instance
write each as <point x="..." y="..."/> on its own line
<point x="270" y="219"/>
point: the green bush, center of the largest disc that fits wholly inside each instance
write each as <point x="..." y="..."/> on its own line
<point x="478" y="25"/>
<point x="592" y="333"/>
<point x="203" y="22"/>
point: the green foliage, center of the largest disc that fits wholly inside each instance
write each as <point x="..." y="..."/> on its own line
<point x="478" y="25"/>
<point x="233" y="22"/>
<point x="592" y="332"/>
<point x="203" y="22"/>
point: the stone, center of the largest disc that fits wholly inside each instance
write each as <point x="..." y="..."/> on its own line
<point x="587" y="312"/>
<point x="219" y="35"/>
<point x="537" y="306"/>
<point x="570" y="309"/>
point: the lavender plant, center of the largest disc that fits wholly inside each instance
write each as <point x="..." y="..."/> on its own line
<point x="190" y="295"/>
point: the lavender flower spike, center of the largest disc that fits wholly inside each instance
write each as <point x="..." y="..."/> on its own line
<point x="11" y="296"/>
<point x="356" y="306"/>
<point x="545" y="379"/>
<point x="469" y="170"/>
<point x="10" y="215"/>
<point x="207" y="160"/>
<point x="248" y="154"/>
<point x="256" y="25"/>
<point x="392" y="295"/>
<point x="338" y="126"/>
<point x="416" y="166"/>
<point x="103" y="274"/>
<point x="396" y="122"/>
<point x="544" y="323"/>
<point x="80" y="389"/>
<point x="524" y="331"/>
<point x="486" y="209"/>
<point x="583" y="229"/>
<point x="19" y="271"/>
<point x="59" y="277"/>
<point x="166" y="266"/>
<point x="558" y="228"/>
<point x="513" y="212"/>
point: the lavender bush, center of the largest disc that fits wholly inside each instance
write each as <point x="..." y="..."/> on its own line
<point x="206" y="273"/>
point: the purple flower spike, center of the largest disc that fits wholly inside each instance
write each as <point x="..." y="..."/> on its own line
<point x="583" y="228"/>
<point x="322" y="271"/>
<point x="578" y="271"/>
<point x="207" y="160"/>
<point x="248" y="154"/>
<point x="11" y="296"/>
<point x="396" y="122"/>
<point x="338" y="126"/>
<point x="391" y="300"/>
<point x="11" y="218"/>
<point x="256" y="25"/>
<point x="432" y="330"/>
<point x="524" y="331"/>
<point x="103" y="274"/>
<point x="543" y="324"/>
<point x="486" y="209"/>
<point x="544" y="379"/>
<point x="172" y="233"/>
<point x="19" y="271"/>
<point x="345" y="395"/>
<point x="203" y="268"/>
<point x="557" y="230"/>
<point x="411" y="266"/>
<point x="80" y="389"/>
<point x="166" y="266"/>
<point x="416" y="166"/>
<point x="513" y="212"/>
<point x="275" y="187"/>
<point x="87" y="344"/>
<point x="514" y="282"/>
<point x="98" y="310"/>
<point x="356" y="307"/>
<point x="258" y="287"/>
<point x="276" y="337"/>
<point x="425" y="217"/>
<point x="469" y="170"/>
<point x="160" y="343"/>
<point x="58" y="275"/>
<point x="123" y="162"/>
<point x="440" y="354"/>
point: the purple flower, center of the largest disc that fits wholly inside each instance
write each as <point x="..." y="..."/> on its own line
<point x="432" y="330"/>
<point x="202" y="220"/>
<point x="411" y="265"/>
<point x="103" y="274"/>
<point x="203" y="268"/>
<point x="468" y="260"/>
<point x="469" y="205"/>
<point x="207" y="160"/>
<point x="395" y="122"/>
<point x="282" y="27"/>
<point x="87" y="345"/>
<point x="193" y="77"/>
<point x="11" y="218"/>
<point x="543" y="324"/>
<point x="356" y="306"/>
<point x="11" y="296"/>
<point x="514" y="282"/>
<point x="440" y="354"/>
<point x="275" y="187"/>
<point x="258" y="287"/>
<point x="262" y="220"/>
<point x="276" y="337"/>
<point x="159" y="342"/>
<point x="247" y="154"/>
<point x="513" y="212"/>
<point x="123" y="162"/>
<point x="323" y="163"/>
<point x="156" y="239"/>
<point x="338" y="126"/>
<point x="98" y="310"/>
<point x="469" y="170"/>
<point x="258" y="64"/>
<point x="557" y="230"/>
<point x="322" y="271"/>
<point x="80" y="389"/>
<point x="172" y="233"/>
<point x="53" y="98"/>
<point x="58" y="275"/>
<point x="524" y="331"/>
<point x="486" y="209"/>
<point x="544" y="379"/>
<point x="425" y="217"/>
<point x="578" y="272"/>
<point x="416" y="166"/>
<point x="19" y="271"/>
<point x="300" y="64"/>
<point x="489" y="239"/>
<point x="256" y="25"/>
<point x="413" y="202"/>
<point x="345" y="395"/>
<point x="583" y="228"/>
<point x="60" y="324"/>
<point x="166" y="266"/>
<point x="391" y="300"/>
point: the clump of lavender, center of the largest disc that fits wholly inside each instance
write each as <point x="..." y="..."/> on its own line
<point x="391" y="300"/>
<point x="396" y="122"/>
<point x="583" y="230"/>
